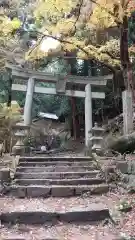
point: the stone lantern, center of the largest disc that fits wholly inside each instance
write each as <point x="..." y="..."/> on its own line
<point x="97" y="139"/>
<point x="21" y="131"/>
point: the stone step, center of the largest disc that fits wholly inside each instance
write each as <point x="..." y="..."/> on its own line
<point x="54" y="163"/>
<point x="54" y="169"/>
<point x="19" y="237"/>
<point x="51" y="159"/>
<point x="40" y="212"/>
<point x="79" y="181"/>
<point x="56" y="175"/>
<point x="60" y="231"/>
<point x="33" y="191"/>
<point x="25" y="237"/>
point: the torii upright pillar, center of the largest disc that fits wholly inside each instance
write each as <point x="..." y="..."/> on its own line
<point x="28" y="102"/>
<point x="88" y="113"/>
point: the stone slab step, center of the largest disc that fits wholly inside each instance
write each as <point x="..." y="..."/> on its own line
<point x="18" y="237"/>
<point x="56" y="175"/>
<point x="34" y="191"/>
<point x="79" y="181"/>
<point x="54" y="163"/>
<point x="57" y="232"/>
<point x="54" y="169"/>
<point x="83" y="236"/>
<point x="51" y="159"/>
<point x="31" y="215"/>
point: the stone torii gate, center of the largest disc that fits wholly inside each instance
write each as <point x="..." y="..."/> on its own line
<point x="27" y="80"/>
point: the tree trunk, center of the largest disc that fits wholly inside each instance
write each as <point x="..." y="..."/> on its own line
<point x="124" y="55"/>
<point x="9" y="91"/>
<point x="73" y="104"/>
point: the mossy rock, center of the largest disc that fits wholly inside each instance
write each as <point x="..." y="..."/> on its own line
<point x="124" y="144"/>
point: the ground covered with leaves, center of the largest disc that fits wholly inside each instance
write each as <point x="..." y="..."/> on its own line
<point x="120" y="204"/>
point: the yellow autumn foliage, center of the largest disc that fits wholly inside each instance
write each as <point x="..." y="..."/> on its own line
<point x="101" y="18"/>
<point x="7" y="26"/>
<point x="12" y="112"/>
<point x="108" y="13"/>
<point x="63" y="26"/>
<point x="74" y="33"/>
<point x="9" y="116"/>
<point x="47" y="8"/>
<point x="97" y="54"/>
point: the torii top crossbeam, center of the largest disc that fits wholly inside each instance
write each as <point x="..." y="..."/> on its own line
<point x="25" y="74"/>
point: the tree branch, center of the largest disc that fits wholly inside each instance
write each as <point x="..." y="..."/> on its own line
<point x="79" y="13"/>
<point x="76" y="45"/>
<point x="126" y="5"/>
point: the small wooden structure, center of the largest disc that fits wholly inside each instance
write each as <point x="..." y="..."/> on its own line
<point x="27" y="81"/>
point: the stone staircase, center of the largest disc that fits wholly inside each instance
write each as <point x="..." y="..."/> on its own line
<point x="57" y="177"/>
<point x="49" y="191"/>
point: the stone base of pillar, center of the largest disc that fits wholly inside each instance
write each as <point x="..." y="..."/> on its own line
<point x="88" y="149"/>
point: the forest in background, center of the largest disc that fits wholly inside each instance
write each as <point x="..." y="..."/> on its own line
<point x="93" y="51"/>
